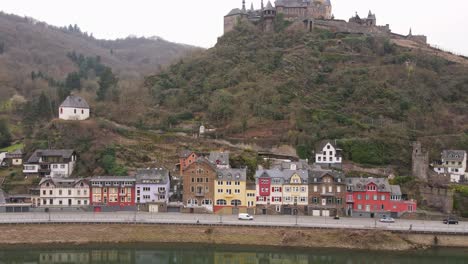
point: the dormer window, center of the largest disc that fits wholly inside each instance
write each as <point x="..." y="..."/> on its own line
<point x="328" y="146"/>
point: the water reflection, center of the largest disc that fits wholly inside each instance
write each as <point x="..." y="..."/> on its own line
<point x="205" y="255"/>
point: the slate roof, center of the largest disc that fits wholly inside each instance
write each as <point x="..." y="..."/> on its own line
<point x="283" y="174"/>
<point x="232" y="174"/>
<point x="14" y="154"/>
<point x="269" y="6"/>
<point x="292" y="3"/>
<point x="321" y="144"/>
<point x="235" y="11"/>
<point x="63" y="183"/>
<point x="300" y="165"/>
<point x="318" y="174"/>
<point x="453" y="155"/>
<point x="112" y="178"/>
<point x="154" y="175"/>
<point x="185" y="153"/>
<point x="75" y="102"/>
<point x="395" y="190"/>
<point x="219" y="158"/>
<point x="64" y="153"/>
<point x="359" y="184"/>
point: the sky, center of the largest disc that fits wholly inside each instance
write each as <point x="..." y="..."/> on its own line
<point x="200" y="22"/>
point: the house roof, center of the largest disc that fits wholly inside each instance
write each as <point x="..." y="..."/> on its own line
<point x="205" y="161"/>
<point x="153" y="175"/>
<point x="112" y="178"/>
<point x="219" y="158"/>
<point x="232" y="174"/>
<point x="64" y="153"/>
<point x="185" y="153"/>
<point x="269" y="6"/>
<point x="75" y="102"/>
<point x="16" y="153"/>
<point x="292" y="3"/>
<point x="235" y="11"/>
<point x="321" y="145"/>
<point x="395" y="189"/>
<point x="453" y="155"/>
<point x="300" y="165"/>
<point x="319" y="173"/>
<point x="359" y="184"/>
<point x="62" y="182"/>
<point x="283" y="174"/>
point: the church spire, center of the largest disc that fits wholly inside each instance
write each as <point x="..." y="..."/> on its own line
<point x="243" y="5"/>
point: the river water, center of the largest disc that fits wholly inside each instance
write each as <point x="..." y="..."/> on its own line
<point x="174" y="254"/>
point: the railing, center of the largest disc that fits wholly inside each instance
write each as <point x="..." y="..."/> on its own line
<point x="199" y="194"/>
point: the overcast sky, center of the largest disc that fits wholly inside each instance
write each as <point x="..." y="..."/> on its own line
<point x="200" y="22"/>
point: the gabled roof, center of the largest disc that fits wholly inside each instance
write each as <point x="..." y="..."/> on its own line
<point x="319" y="174"/>
<point x="359" y="184"/>
<point x="453" y="155"/>
<point x="269" y="6"/>
<point x="232" y="174"/>
<point x="75" y="102"/>
<point x="62" y="182"/>
<point x="395" y="189"/>
<point x="112" y="178"/>
<point x="235" y="11"/>
<point x="154" y="175"/>
<point x="185" y="153"/>
<point x="203" y="160"/>
<point x="321" y="144"/>
<point x="283" y="174"/>
<point x="64" y="153"/>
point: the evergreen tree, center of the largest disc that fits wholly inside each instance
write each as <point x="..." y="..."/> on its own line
<point x="5" y="135"/>
<point x="107" y="81"/>
<point x="44" y="107"/>
<point x="73" y="81"/>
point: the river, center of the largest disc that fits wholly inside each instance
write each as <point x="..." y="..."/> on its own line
<point x="175" y="254"/>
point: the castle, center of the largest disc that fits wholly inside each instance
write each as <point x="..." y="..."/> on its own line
<point x="307" y="15"/>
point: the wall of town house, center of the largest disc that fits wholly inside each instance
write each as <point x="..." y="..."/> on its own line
<point x="237" y="192"/>
<point x="70" y="113"/>
<point x="328" y="156"/>
<point x="113" y="196"/>
<point x="199" y="184"/>
<point x="148" y="193"/>
<point x="76" y="196"/>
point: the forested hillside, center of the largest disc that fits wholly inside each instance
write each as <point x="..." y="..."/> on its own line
<point x="298" y="88"/>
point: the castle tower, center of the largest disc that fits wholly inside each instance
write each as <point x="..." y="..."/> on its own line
<point x="420" y="159"/>
<point x="262" y="5"/>
<point x="269" y="14"/>
<point x="243" y="6"/>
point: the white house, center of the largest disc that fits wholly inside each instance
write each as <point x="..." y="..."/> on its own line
<point x="453" y="164"/>
<point x="53" y="163"/>
<point x="327" y="153"/>
<point x="152" y="186"/>
<point x="59" y="192"/>
<point x="74" y="108"/>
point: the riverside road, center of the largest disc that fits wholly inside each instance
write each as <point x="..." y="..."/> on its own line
<point x="231" y="220"/>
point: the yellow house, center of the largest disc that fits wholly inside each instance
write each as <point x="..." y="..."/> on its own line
<point x="251" y="198"/>
<point x="230" y="191"/>
<point x="295" y="191"/>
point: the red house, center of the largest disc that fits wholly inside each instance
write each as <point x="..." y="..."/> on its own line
<point x="112" y="192"/>
<point x="375" y="198"/>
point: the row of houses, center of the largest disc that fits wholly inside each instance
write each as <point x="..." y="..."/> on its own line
<point x="288" y="188"/>
<point x="148" y="190"/>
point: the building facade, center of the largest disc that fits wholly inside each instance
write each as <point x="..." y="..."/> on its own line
<point x="63" y="193"/>
<point x="186" y="157"/>
<point x="220" y="159"/>
<point x="328" y="154"/>
<point x="452" y="164"/>
<point x="269" y="191"/>
<point x="152" y="186"/>
<point x="199" y="177"/>
<point x="375" y="198"/>
<point x="327" y="193"/>
<point x="15" y="158"/>
<point x="230" y="191"/>
<point x="112" y="192"/>
<point x="51" y="163"/>
<point x="295" y="192"/>
<point x="74" y="108"/>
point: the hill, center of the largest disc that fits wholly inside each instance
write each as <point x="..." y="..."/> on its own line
<point x="28" y="45"/>
<point x="297" y="88"/>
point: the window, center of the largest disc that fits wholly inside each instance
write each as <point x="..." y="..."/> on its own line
<point x="79" y="202"/>
<point x="359" y="197"/>
<point x="371" y="187"/>
<point x="228" y="183"/>
<point x="330" y="189"/>
<point x="228" y="191"/>
<point x="237" y="191"/>
<point x="367" y="197"/>
<point x="193" y="179"/>
<point x="339" y="201"/>
<point x="235" y="202"/>
<point x="146" y="189"/>
<point x="287" y="199"/>
<point x="207" y="202"/>
<point x="383" y="197"/>
<point x="237" y="183"/>
<point x="338" y="188"/>
<point x="276" y="199"/>
<point x="287" y="189"/>
<point x="85" y="202"/>
<point x="55" y="166"/>
<point x="221" y="202"/>
<point x="220" y="182"/>
<point x="192" y="189"/>
<point x="220" y="190"/>
<point x="375" y="197"/>
<point x="303" y="199"/>
<point x="74" y="111"/>
<point x="44" y="192"/>
<point x="51" y="201"/>
<point x="207" y="180"/>
<point x="359" y="207"/>
<point x="383" y="207"/>
<point x="303" y="189"/>
<point x="62" y="166"/>
<point x="315" y="188"/>
<point x="60" y="192"/>
<point x="78" y="192"/>
<point x="315" y="200"/>
<point x="69" y="192"/>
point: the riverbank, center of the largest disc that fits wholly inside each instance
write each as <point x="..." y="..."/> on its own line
<point x="222" y="235"/>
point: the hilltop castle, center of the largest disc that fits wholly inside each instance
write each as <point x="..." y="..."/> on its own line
<point x="307" y="15"/>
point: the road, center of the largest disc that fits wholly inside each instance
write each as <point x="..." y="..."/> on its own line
<point x="261" y="220"/>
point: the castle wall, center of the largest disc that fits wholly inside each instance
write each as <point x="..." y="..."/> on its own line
<point x="230" y="22"/>
<point x="343" y="26"/>
<point x="420" y="162"/>
<point x="437" y="198"/>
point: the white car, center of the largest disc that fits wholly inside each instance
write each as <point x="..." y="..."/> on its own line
<point x="245" y="217"/>
<point x="387" y="220"/>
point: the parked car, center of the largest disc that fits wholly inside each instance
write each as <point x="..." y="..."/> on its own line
<point x="245" y="217"/>
<point x="451" y="221"/>
<point x="387" y="220"/>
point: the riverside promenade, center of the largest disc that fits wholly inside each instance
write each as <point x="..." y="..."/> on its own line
<point x="410" y="226"/>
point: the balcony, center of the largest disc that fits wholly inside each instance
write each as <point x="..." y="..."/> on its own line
<point x="199" y="194"/>
<point x="328" y="194"/>
<point x="350" y="200"/>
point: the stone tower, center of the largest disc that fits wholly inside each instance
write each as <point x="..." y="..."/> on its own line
<point x="269" y="14"/>
<point x="420" y="162"/>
